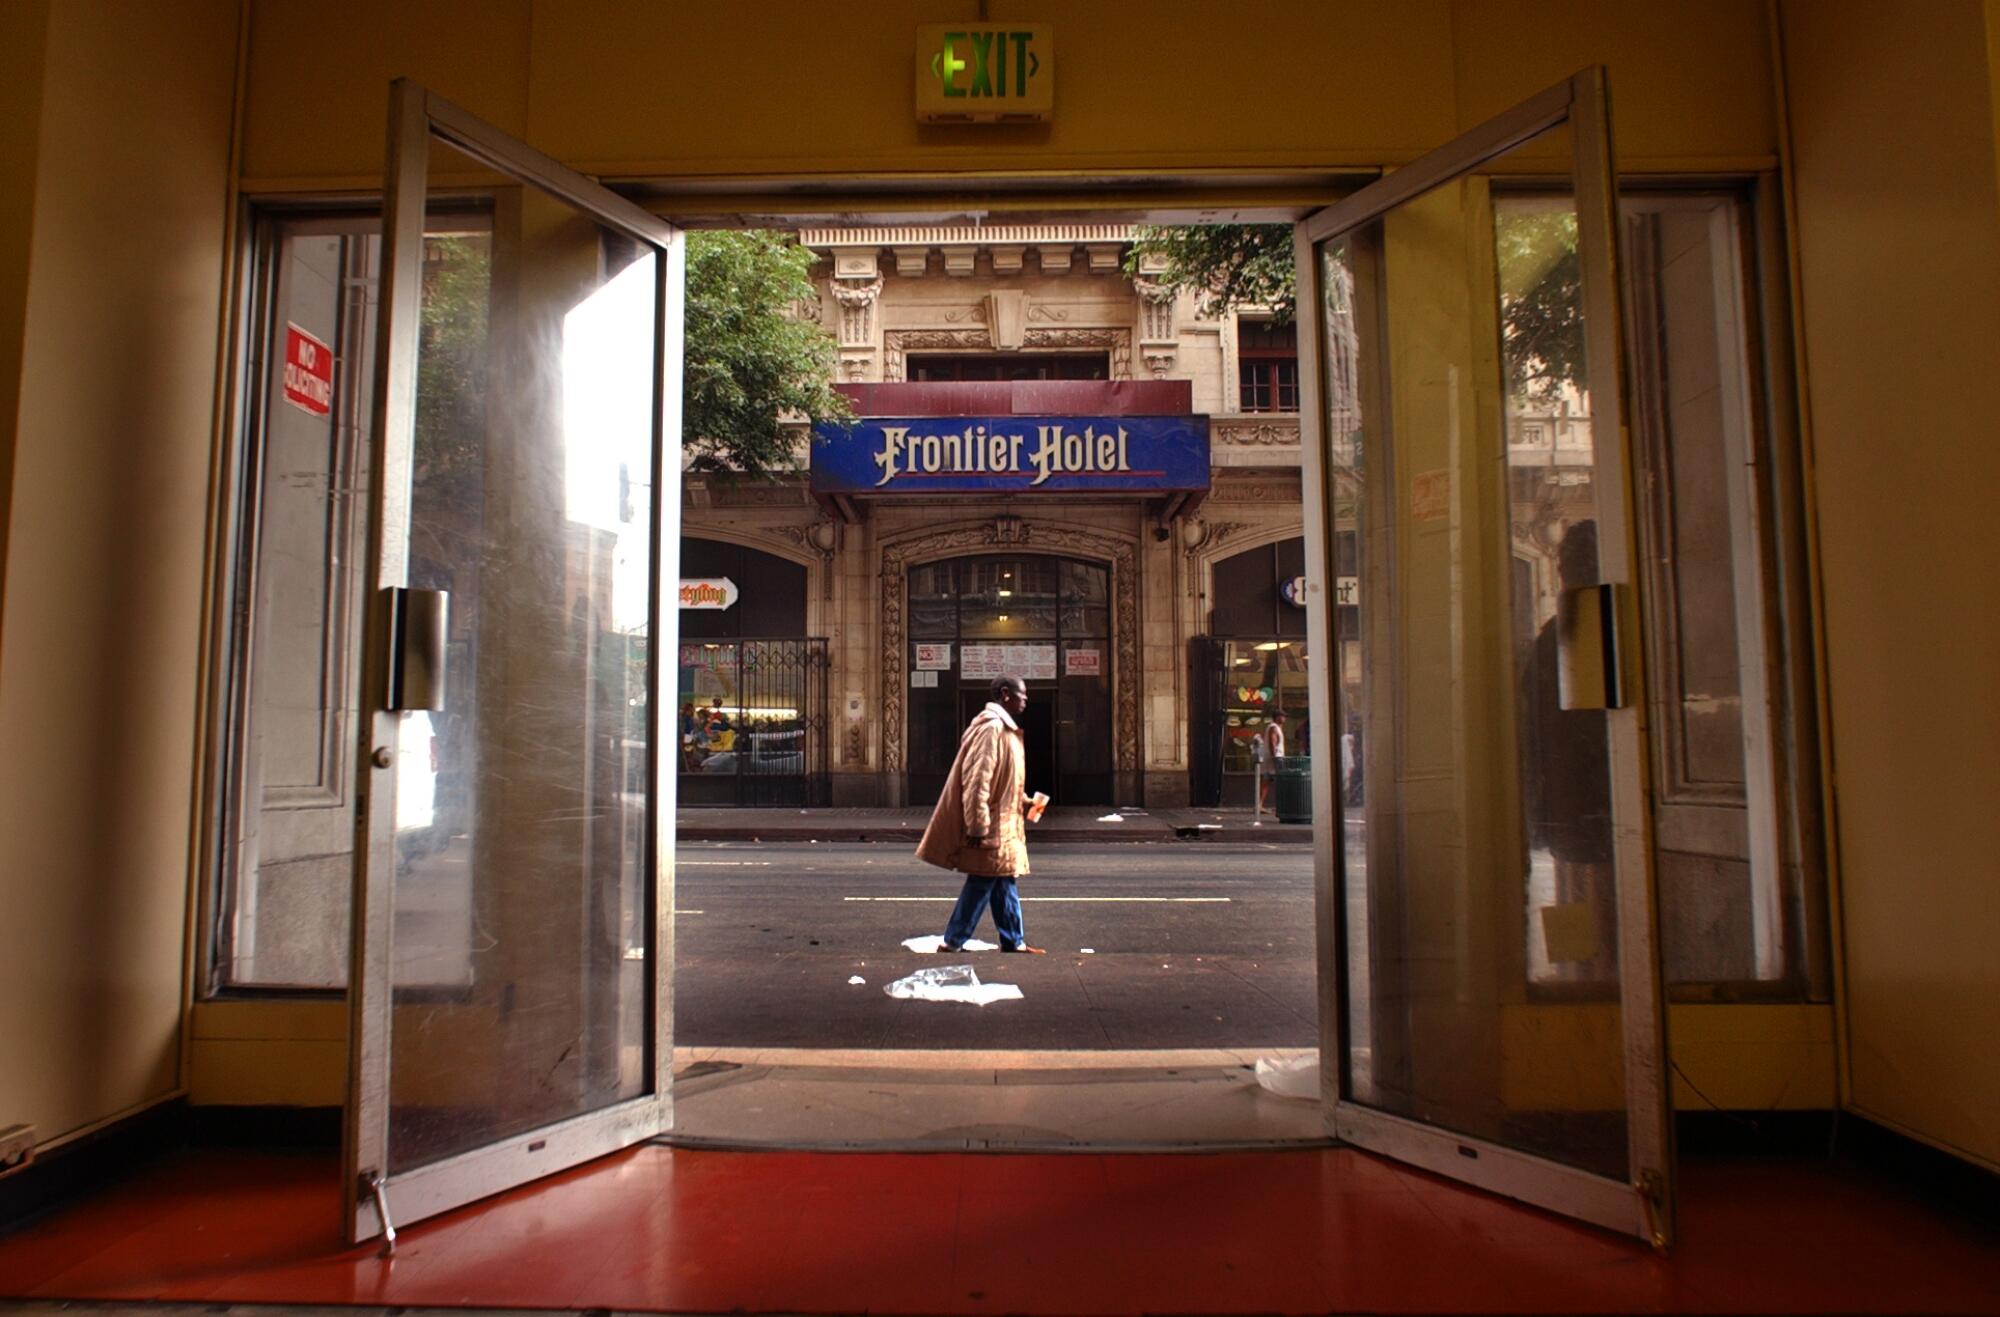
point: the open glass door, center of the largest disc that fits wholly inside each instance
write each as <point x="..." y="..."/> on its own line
<point x="512" y="958"/>
<point x="1489" y="958"/>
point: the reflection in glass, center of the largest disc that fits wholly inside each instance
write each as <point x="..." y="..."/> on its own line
<point x="1474" y="878"/>
<point x="521" y="896"/>
<point x="1552" y="505"/>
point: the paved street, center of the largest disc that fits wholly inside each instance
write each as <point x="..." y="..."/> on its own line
<point x="1191" y="946"/>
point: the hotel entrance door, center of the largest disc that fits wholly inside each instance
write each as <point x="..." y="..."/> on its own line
<point x="1046" y="620"/>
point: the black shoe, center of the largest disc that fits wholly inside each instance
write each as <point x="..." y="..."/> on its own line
<point x="946" y="946"/>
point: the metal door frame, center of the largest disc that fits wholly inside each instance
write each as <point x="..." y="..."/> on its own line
<point x="415" y="117"/>
<point x="1645" y="1207"/>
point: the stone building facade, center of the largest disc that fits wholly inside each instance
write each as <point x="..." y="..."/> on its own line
<point x="936" y="305"/>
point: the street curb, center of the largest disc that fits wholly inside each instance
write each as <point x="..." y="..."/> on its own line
<point x="1285" y="834"/>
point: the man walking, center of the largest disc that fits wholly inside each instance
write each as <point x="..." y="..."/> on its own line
<point x="979" y="827"/>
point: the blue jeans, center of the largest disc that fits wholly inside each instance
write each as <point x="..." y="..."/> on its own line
<point x="1005" y="895"/>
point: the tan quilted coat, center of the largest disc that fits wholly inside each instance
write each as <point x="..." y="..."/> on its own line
<point x="984" y="794"/>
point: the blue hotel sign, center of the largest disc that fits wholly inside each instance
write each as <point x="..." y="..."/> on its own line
<point x="1009" y="454"/>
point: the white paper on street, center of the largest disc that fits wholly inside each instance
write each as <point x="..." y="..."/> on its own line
<point x="951" y="983"/>
<point x="934" y="943"/>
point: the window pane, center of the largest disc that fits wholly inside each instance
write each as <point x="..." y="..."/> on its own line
<point x="1003" y="598"/>
<point x="289" y="820"/>
<point x="934" y="600"/>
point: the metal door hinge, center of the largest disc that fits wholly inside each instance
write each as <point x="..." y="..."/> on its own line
<point x="1652" y="1190"/>
<point x="376" y="1189"/>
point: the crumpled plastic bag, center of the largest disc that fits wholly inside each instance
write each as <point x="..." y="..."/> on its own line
<point x="934" y="943"/>
<point x="951" y="983"/>
<point x="1297" y="1077"/>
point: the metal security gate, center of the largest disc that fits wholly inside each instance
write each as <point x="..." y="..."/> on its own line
<point x="753" y="722"/>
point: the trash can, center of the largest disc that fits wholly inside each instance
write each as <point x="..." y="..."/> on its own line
<point x="1293" y="792"/>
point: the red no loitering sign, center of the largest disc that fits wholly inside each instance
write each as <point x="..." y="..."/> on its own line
<point x="308" y="372"/>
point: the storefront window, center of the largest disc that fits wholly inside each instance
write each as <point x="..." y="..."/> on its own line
<point x="751" y="698"/>
<point x="1261" y="678"/>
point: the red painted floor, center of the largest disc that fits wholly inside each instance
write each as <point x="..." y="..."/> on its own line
<point x="1305" y="1231"/>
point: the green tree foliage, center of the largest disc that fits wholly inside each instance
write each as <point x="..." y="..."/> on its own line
<point x="451" y="366"/>
<point x="1227" y="266"/>
<point x="752" y="363"/>
<point x="1233" y="266"/>
<point x="1541" y="299"/>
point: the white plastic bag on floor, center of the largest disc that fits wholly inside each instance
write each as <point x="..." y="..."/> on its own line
<point x="933" y="943"/>
<point x="1294" y="1078"/>
<point x="951" y="983"/>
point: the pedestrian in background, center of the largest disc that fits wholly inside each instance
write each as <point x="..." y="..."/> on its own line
<point x="979" y="827"/>
<point x="1269" y="749"/>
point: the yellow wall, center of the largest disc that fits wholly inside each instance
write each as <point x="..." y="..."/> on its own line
<point x="124" y="179"/>
<point x="628" y="88"/>
<point x="23" y="29"/>
<point x="104" y="568"/>
<point x="1899" y="243"/>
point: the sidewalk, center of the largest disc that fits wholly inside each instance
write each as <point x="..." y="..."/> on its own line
<point x="1059" y="825"/>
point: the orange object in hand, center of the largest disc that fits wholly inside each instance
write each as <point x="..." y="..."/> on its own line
<point x="1036" y="804"/>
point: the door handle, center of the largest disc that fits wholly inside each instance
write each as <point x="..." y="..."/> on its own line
<point x="1590" y="652"/>
<point x="418" y="628"/>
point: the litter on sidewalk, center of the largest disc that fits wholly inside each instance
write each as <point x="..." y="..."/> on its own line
<point x="1111" y="818"/>
<point x="1296" y="1077"/>
<point x="856" y="979"/>
<point x="951" y="983"/>
<point x="934" y="943"/>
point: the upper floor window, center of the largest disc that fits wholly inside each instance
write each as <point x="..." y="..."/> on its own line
<point x="962" y="366"/>
<point x="1267" y="366"/>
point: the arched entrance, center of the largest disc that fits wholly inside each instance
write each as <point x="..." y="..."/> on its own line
<point x="751" y="694"/>
<point x="1041" y="617"/>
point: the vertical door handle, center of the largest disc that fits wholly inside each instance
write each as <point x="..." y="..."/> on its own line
<point x="418" y="630"/>
<point x="1590" y="653"/>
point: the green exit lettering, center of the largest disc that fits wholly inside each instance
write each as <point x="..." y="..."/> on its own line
<point x="986" y="59"/>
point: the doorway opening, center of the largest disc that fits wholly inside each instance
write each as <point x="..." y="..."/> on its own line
<point x="1444" y="756"/>
<point x="1042" y="618"/>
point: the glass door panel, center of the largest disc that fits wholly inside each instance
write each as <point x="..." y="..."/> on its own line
<point x="1489" y="907"/>
<point x="513" y="955"/>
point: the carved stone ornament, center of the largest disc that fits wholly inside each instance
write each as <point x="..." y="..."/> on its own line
<point x="1004" y="532"/>
<point x="896" y="342"/>
<point x="1118" y="340"/>
<point x="1160" y="363"/>
<point x="1212" y="536"/>
<point x="857" y="300"/>
<point x="1255" y="434"/>
<point x="1156" y="310"/>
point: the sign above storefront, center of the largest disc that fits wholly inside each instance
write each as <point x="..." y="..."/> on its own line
<point x="1007" y="454"/>
<point x="708" y="592"/>
<point x="985" y="72"/>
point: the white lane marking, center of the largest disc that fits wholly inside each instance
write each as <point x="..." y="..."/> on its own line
<point x="720" y="864"/>
<point x="1126" y="900"/>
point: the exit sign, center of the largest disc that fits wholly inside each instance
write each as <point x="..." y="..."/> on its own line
<point x="985" y="72"/>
